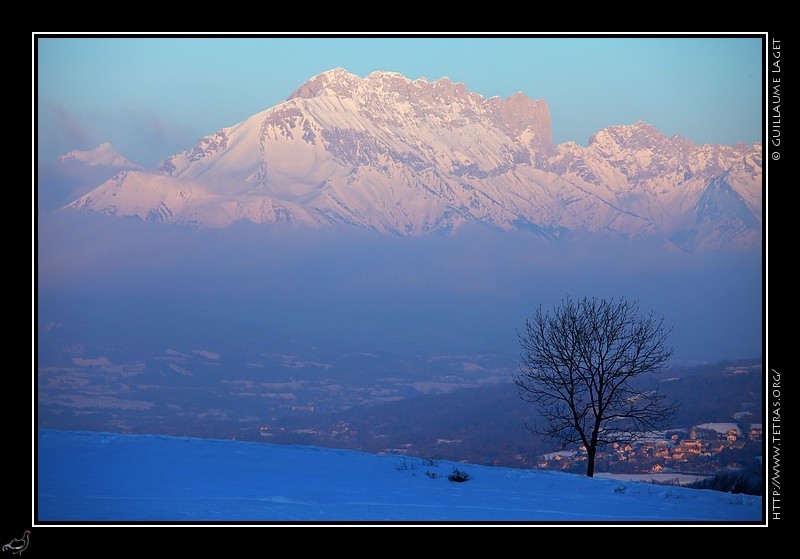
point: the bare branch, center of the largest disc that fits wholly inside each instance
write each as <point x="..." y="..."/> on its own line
<point x="577" y="366"/>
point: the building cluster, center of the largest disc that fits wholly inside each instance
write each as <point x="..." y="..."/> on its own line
<point x="702" y="449"/>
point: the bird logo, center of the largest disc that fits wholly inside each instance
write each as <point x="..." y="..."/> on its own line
<point x="17" y="546"/>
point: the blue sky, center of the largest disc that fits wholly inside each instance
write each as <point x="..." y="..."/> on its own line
<point x="151" y="97"/>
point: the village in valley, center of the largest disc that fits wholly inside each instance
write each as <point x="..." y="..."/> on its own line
<point x="700" y="450"/>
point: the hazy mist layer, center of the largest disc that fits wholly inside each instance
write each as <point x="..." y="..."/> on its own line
<point x="148" y="284"/>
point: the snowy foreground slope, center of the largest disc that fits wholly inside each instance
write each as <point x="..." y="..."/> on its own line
<point x="109" y="477"/>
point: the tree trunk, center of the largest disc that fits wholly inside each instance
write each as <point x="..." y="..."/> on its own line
<point x="590" y="452"/>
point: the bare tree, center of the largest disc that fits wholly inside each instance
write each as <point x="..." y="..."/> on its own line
<point x="577" y="367"/>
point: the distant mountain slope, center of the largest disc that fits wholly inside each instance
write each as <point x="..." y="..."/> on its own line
<point x="102" y="155"/>
<point x="75" y="173"/>
<point x="415" y="157"/>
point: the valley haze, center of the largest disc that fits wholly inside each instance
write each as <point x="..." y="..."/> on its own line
<point x="371" y="239"/>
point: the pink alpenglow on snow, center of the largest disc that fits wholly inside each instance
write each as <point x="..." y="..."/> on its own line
<point x="392" y="155"/>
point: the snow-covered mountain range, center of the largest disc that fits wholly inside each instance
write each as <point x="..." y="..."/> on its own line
<point x="102" y="155"/>
<point x="415" y="157"/>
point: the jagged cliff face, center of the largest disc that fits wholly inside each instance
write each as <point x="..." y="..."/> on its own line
<point x="664" y="181"/>
<point x="413" y="157"/>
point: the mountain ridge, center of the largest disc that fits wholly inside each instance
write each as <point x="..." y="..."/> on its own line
<point x="414" y="157"/>
<point x="102" y="155"/>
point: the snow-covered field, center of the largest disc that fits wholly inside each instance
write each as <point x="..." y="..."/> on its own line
<point x="121" y="478"/>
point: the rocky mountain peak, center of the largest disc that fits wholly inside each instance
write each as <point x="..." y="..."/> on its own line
<point x="338" y="80"/>
<point x="413" y="157"/>
<point x="520" y="113"/>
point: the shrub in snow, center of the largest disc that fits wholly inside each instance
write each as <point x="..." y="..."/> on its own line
<point x="740" y="480"/>
<point x="430" y="462"/>
<point x="405" y="465"/>
<point x="458" y="476"/>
